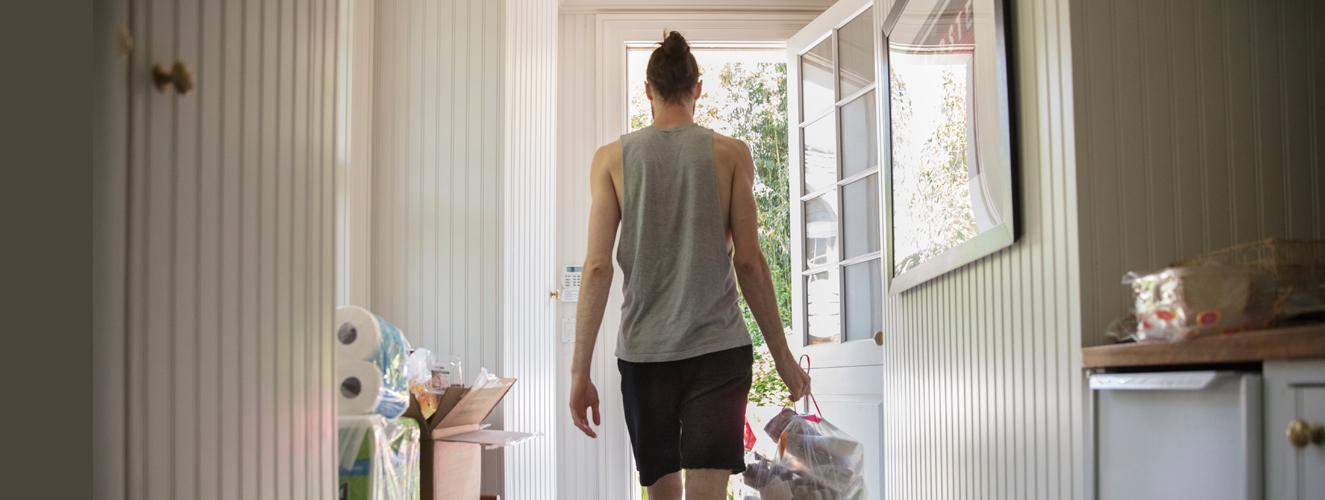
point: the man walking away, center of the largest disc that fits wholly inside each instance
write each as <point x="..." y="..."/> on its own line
<point x="682" y="196"/>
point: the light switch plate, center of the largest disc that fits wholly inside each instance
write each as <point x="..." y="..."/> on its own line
<point x="568" y="330"/>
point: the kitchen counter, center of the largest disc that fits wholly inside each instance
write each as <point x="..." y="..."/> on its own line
<point x="1298" y="342"/>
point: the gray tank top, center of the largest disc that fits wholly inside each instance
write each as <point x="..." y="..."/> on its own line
<point x="680" y="290"/>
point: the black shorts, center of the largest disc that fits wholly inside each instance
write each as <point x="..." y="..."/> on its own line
<point x="689" y="413"/>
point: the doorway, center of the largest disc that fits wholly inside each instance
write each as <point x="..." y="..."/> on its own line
<point x="745" y="97"/>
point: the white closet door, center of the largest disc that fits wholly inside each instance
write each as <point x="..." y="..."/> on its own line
<point x="230" y="250"/>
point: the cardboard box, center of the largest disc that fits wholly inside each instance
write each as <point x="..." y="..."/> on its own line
<point x="452" y="440"/>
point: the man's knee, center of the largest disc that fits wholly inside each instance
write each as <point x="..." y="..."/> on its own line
<point x="706" y="484"/>
<point x="666" y="488"/>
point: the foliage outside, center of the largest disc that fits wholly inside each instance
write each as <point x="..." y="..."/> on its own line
<point x="749" y="102"/>
<point x="932" y="187"/>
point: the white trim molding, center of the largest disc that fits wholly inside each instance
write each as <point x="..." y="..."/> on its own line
<point x="354" y="154"/>
<point x="617" y="30"/>
<point x="646" y="7"/>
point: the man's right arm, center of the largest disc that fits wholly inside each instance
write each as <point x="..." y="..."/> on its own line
<point x="754" y="276"/>
<point x="604" y="217"/>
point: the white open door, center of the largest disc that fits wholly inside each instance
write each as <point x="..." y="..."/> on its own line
<point x="836" y="97"/>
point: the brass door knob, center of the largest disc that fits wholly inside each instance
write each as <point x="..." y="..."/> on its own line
<point x="178" y="77"/>
<point x="554" y="293"/>
<point x="878" y="338"/>
<point x="1299" y="433"/>
<point x="1317" y="434"/>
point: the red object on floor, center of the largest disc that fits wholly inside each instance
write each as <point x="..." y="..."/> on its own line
<point x="749" y="436"/>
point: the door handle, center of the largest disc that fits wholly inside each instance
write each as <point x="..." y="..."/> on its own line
<point x="179" y="76"/>
<point x="1299" y="433"/>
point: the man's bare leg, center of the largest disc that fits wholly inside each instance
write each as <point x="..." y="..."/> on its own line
<point x="666" y="488"/>
<point x="705" y="484"/>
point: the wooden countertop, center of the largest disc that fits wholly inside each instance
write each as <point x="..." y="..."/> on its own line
<point x="1282" y="343"/>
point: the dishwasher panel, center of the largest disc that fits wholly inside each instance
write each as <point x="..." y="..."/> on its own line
<point x="1175" y="435"/>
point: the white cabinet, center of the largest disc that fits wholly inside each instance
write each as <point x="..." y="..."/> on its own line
<point x="1294" y="391"/>
<point x="215" y="200"/>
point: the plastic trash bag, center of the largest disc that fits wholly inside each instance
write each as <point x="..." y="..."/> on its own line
<point x="379" y="458"/>
<point x="814" y="460"/>
<point x="1178" y="303"/>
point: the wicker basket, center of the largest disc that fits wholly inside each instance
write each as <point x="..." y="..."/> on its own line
<point x="1286" y="261"/>
<point x="1294" y="267"/>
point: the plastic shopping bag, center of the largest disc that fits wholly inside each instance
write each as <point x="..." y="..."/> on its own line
<point x="814" y="460"/>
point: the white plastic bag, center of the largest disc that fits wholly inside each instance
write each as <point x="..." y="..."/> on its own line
<point x="379" y="458"/>
<point x="1178" y="303"/>
<point x="419" y="379"/>
<point x="814" y="461"/>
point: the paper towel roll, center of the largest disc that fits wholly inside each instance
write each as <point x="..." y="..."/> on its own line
<point x="363" y="391"/>
<point x="360" y="387"/>
<point x="363" y="337"/>
<point x="358" y="333"/>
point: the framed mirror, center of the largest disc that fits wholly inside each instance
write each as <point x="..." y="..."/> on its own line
<point x="949" y="175"/>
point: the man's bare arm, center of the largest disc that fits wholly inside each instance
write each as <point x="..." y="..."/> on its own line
<point x="604" y="218"/>
<point x="754" y="276"/>
<point x="596" y="280"/>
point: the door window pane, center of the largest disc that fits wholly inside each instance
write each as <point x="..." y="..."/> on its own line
<point x="817" y="79"/>
<point x="822" y="313"/>
<point x="864" y="300"/>
<point x="855" y="43"/>
<point x="860" y="217"/>
<point x="860" y="137"/>
<point x="820" y="154"/>
<point x="821" y="230"/>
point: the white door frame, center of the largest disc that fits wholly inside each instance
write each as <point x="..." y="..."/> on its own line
<point x="354" y="154"/>
<point x="614" y="31"/>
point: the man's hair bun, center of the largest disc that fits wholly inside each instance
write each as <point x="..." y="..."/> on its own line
<point x="672" y="70"/>
<point x="675" y="45"/>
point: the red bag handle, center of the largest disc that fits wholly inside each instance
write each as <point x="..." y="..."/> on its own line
<point x="805" y="358"/>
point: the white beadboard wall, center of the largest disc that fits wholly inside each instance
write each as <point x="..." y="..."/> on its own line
<point x="437" y="192"/>
<point x="981" y="371"/>
<point x="580" y="463"/>
<point x="529" y="320"/>
<point x="437" y="235"/>
<point x="228" y="239"/>
<point x="1199" y="126"/>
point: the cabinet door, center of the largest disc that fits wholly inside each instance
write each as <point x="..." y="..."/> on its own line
<point x="230" y="265"/>
<point x="1294" y="391"/>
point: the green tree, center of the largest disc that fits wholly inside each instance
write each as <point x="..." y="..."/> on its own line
<point x="933" y="182"/>
<point x="757" y="112"/>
